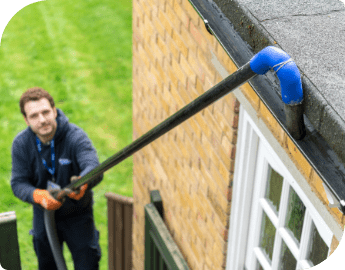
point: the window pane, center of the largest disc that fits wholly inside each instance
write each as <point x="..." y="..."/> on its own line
<point x="287" y="260"/>
<point x="267" y="235"/>
<point x="274" y="188"/>
<point x="318" y="249"/>
<point x="295" y="215"/>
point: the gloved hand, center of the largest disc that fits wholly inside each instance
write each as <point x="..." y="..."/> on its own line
<point x="43" y="197"/>
<point x="77" y="195"/>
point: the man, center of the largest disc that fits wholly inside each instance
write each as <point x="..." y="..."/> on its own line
<point x="50" y="137"/>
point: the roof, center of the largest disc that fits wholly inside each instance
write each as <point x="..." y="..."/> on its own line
<point x="311" y="33"/>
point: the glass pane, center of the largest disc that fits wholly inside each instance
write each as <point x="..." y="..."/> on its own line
<point x="267" y="235"/>
<point x="318" y="248"/>
<point x="287" y="260"/>
<point x="274" y="188"/>
<point x="295" y="215"/>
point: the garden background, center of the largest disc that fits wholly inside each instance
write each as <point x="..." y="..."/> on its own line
<point x="80" y="52"/>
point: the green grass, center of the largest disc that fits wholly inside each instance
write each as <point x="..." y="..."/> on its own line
<point x="80" y="51"/>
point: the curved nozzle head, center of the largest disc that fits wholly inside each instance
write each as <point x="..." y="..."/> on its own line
<point x="286" y="70"/>
<point x="290" y="84"/>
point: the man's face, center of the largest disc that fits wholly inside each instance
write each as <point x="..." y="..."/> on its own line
<point x="41" y="118"/>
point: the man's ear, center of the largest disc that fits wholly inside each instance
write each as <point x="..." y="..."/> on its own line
<point x="55" y="112"/>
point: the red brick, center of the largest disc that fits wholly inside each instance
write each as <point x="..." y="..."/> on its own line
<point x="169" y="99"/>
<point x="149" y="30"/>
<point x="198" y="37"/>
<point x="169" y="4"/>
<point x="196" y="127"/>
<point x="207" y="146"/>
<point x="228" y="112"/>
<point x="197" y="68"/>
<point x="143" y="56"/>
<point x="225" y="173"/>
<point x="179" y="42"/>
<point x="162" y="75"/>
<point x="227" y="145"/>
<point x="201" y="151"/>
<point x="159" y="80"/>
<point x="178" y="71"/>
<point x="146" y="8"/>
<point x="162" y="46"/>
<point x="209" y="82"/>
<point x="173" y="49"/>
<point x="138" y="11"/>
<point x="176" y="96"/>
<point x="189" y="41"/>
<point x="183" y="91"/>
<point x="159" y="27"/>
<point x="188" y="129"/>
<point x="148" y="51"/>
<point x="226" y="125"/>
<point x="225" y="60"/>
<point x="187" y="69"/>
<point x="182" y="147"/>
<point x="175" y="20"/>
<point x="165" y="22"/>
<point x="221" y="179"/>
<point x="153" y="4"/>
<point x="206" y="64"/>
<point x="210" y="39"/>
<point x="192" y="91"/>
<point x="173" y="78"/>
<point x="190" y="11"/>
<point x="199" y="86"/>
<point x="181" y="14"/>
<point x="159" y="56"/>
<point x="203" y="124"/>
<point x="212" y="122"/>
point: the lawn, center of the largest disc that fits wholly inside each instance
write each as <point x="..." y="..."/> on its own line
<point x="80" y="51"/>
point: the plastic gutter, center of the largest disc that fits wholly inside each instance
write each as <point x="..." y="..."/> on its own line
<point x="314" y="147"/>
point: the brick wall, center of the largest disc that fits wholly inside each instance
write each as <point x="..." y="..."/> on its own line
<point x="192" y="165"/>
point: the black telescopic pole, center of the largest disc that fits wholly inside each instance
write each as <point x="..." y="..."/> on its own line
<point x="224" y="87"/>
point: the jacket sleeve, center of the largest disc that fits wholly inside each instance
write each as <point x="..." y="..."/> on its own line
<point x="20" y="179"/>
<point x="87" y="158"/>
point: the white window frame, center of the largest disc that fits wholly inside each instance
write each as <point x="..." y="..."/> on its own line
<point x="250" y="140"/>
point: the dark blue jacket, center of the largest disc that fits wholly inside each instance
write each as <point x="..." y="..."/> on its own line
<point x="75" y="155"/>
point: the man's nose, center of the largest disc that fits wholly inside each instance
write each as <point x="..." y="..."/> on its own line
<point x="41" y="118"/>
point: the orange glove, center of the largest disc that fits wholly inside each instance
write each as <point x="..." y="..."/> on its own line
<point x="43" y="197"/>
<point x="77" y="195"/>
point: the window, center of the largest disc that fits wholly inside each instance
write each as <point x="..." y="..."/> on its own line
<point x="273" y="225"/>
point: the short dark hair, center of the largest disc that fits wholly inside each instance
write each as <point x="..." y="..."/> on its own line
<point x="34" y="93"/>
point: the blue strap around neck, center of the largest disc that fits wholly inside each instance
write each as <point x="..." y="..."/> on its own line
<point x="39" y="147"/>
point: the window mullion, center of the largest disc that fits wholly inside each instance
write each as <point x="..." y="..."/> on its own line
<point x="305" y="238"/>
<point x="291" y="244"/>
<point x="269" y="211"/>
<point x="284" y="203"/>
<point x="262" y="259"/>
<point x="303" y="264"/>
<point x="281" y="222"/>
